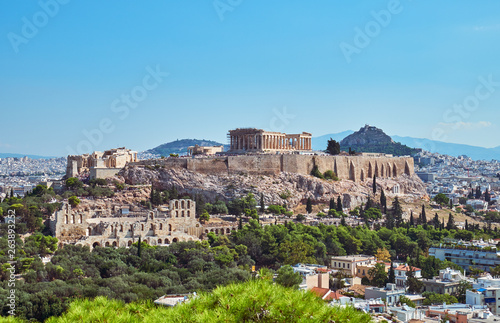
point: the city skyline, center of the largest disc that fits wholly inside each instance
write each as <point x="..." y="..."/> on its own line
<point x="102" y="75"/>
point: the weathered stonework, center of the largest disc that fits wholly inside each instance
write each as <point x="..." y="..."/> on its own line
<point x="355" y="168"/>
<point x="120" y="228"/>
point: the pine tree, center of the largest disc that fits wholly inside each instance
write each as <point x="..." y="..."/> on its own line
<point x="423" y="216"/>
<point x="374" y="188"/>
<point x="340" y="207"/>
<point x="333" y="147"/>
<point x="309" y="205"/>
<point x="383" y="201"/>
<point x="333" y="206"/>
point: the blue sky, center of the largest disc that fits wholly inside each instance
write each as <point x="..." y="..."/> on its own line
<point x="195" y="69"/>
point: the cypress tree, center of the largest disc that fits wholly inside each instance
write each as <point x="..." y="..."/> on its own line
<point x="466" y="225"/>
<point x="262" y="205"/>
<point x="423" y="216"/>
<point x="340" y="208"/>
<point x="342" y="221"/>
<point x="374" y="188"/>
<point x="139" y="247"/>
<point x="397" y="213"/>
<point x="451" y="203"/>
<point x="392" y="276"/>
<point x="333" y="206"/>
<point x="451" y="222"/>
<point x="309" y="205"/>
<point x="383" y="201"/>
<point x="240" y="223"/>
<point x="412" y="223"/>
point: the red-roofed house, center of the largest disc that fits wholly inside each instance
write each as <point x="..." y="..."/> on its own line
<point x="326" y="294"/>
<point x="401" y="274"/>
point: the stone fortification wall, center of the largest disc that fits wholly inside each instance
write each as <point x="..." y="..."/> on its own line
<point x="355" y="168"/>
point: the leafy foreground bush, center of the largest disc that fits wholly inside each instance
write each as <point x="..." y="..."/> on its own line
<point x="252" y="301"/>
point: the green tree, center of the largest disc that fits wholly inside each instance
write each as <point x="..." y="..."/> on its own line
<point x="262" y="204"/>
<point x="316" y="173"/>
<point x="333" y="147"/>
<point x="392" y="275"/>
<point x="333" y="206"/>
<point x="414" y="284"/>
<point x="451" y="222"/>
<point x="288" y="278"/>
<point x="441" y="199"/>
<point x="383" y="201"/>
<point x="309" y="205"/>
<point x="423" y="216"/>
<point x="204" y="217"/>
<point x="340" y="207"/>
<point x="378" y="275"/>
<point x="374" y="185"/>
<point x="73" y="201"/>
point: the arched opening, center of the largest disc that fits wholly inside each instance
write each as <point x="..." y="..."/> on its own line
<point x="89" y="231"/>
<point x="161" y="226"/>
<point x="129" y="243"/>
<point x="395" y="171"/>
<point x="66" y="221"/>
<point x="352" y="172"/>
<point x="176" y="204"/>
<point x="206" y="231"/>
<point x="81" y="218"/>
<point x="176" y="214"/>
<point x="228" y="230"/>
<point x="152" y="227"/>
<point x="159" y="241"/>
<point x="182" y="204"/>
<point x="142" y="227"/>
<point x="188" y="205"/>
<point x="407" y="169"/>
<point x="111" y="229"/>
<point x="96" y="244"/>
<point x="211" y="230"/>
<point x="107" y="244"/>
<point x="73" y="219"/>
<point x="188" y="213"/>
<point x="169" y="227"/>
<point x="221" y="231"/>
<point x="115" y="244"/>
<point x="175" y="240"/>
<point x="167" y="241"/>
<point x="182" y="213"/>
<point x="216" y="231"/>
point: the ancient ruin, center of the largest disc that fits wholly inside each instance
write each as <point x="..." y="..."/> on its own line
<point x="252" y="140"/>
<point x="204" y="150"/>
<point x="100" y="164"/>
<point x="118" y="226"/>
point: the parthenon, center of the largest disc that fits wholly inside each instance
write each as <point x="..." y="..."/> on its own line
<point x="244" y="140"/>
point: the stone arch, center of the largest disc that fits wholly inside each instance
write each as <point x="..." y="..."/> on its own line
<point x="152" y="227"/>
<point x="96" y="244"/>
<point x="370" y="170"/>
<point x="73" y="219"/>
<point x="81" y="218"/>
<point x="142" y="227"/>
<point x="211" y="230"/>
<point x="175" y="240"/>
<point x="352" y="172"/>
<point x="183" y="205"/>
<point x="407" y="169"/>
<point x="228" y="230"/>
<point x="188" y="204"/>
<point x="167" y="241"/>
<point x="115" y="244"/>
<point x="161" y="226"/>
<point x="188" y="213"/>
<point x="106" y="244"/>
<point x="159" y="241"/>
<point x="66" y="219"/>
<point x="206" y="231"/>
<point x="182" y="213"/>
<point x="129" y="243"/>
<point x="221" y="231"/>
<point x="395" y="171"/>
<point x="176" y="204"/>
<point x="216" y="231"/>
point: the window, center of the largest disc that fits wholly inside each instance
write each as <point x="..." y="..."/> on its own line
<point x="348" y="265"/>
<point x="343" y="264"/>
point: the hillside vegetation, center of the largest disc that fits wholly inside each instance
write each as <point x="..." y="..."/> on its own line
<point x="255" y="300"/>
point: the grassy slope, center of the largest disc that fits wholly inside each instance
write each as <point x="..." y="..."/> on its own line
<point x="247" y="302"/>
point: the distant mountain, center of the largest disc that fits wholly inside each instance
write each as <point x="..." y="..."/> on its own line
<point x="180" y="146"/>
<point x="474" y="152"/>
<point x="371" y="139"/>
<point x="6" y="155"/>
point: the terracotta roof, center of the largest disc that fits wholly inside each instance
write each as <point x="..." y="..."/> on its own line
<point x="326" y="294"/>
<point x="323" y="270"/>
<point x="407" y="268"/>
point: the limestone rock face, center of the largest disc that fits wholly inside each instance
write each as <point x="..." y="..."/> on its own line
<point x="300" y="187"/>
<point x="366" y="136"/>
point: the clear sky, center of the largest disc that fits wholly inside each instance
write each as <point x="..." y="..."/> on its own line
<point x="92" y="75"/>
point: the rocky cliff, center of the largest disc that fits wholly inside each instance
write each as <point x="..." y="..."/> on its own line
<point x="301" y="187"/>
